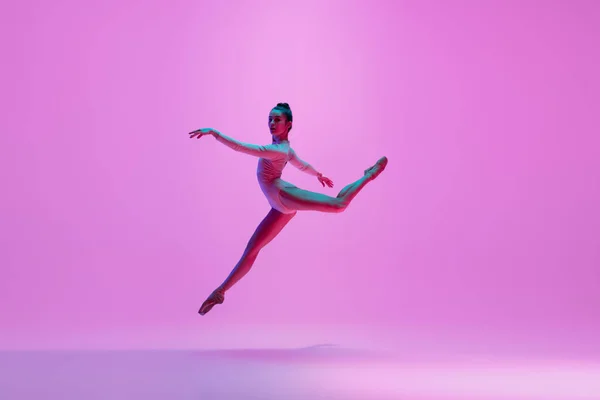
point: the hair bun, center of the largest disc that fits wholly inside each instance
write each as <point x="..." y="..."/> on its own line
<point x="284" y="105"/>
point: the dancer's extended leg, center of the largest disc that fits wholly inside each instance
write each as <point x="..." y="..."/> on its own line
<point x="299" y="199"/>
<point x="266" y="231"/>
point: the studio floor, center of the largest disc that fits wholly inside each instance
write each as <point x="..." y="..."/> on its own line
<point x="312" y="372"/>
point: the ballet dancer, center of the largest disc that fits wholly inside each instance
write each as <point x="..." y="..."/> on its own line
<point x="284" y="198"/>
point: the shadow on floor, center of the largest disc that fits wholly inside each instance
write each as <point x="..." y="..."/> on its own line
<point x="315" y="353"/>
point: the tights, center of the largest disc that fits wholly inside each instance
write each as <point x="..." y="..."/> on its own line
<point x="275" y="221"/>
<point x="285" y="199"/>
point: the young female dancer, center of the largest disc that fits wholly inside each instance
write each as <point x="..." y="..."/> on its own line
<point x="284" y="198"/>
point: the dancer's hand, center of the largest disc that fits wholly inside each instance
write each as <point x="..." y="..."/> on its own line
<point x="202" y="132"/>
<point x="325" y="180"/>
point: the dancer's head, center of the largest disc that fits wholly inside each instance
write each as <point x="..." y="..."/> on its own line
<point x="280" y="121"/>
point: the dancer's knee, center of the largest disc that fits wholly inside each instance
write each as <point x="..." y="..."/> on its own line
<point x="339" y="206"/>
<point x="252" y="250"/>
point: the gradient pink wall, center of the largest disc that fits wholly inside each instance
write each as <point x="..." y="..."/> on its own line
<point x="115" y="226"/>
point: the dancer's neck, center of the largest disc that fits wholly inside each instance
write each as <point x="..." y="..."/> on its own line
<point x="280" y="140"/>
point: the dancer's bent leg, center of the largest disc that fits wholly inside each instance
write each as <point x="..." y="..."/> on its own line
<point x="300" y="199"/>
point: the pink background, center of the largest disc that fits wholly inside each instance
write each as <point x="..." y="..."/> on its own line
<point x="484" y="229"/>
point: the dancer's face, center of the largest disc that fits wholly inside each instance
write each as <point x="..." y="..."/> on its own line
<point x="278" y="123"/>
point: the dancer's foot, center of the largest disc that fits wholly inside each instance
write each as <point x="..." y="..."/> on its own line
<point x="376" y="169"/>
<point x="216" y="297"/>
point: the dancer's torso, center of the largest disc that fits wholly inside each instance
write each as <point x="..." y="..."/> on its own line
<point x="270" y="170"/>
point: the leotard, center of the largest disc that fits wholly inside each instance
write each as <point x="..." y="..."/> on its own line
<point x="272" y="160"/>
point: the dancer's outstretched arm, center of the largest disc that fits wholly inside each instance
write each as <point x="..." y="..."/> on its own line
<point x="309" y="169"/>
<point x="302" y="165"/>
<point x="268" y="151"/>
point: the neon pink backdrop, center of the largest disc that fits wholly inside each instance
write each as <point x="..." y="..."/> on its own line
<point x="483" y="229"/>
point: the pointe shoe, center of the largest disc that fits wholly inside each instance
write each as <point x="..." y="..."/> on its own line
<point x="216" y="297"/>
<point x="376" y="169"/>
